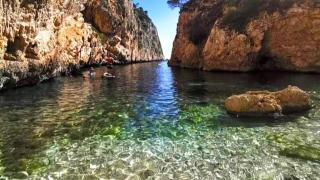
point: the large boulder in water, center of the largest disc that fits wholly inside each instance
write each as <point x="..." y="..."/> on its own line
<point x="257" y="103"/>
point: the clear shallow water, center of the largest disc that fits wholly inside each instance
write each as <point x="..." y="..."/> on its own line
<point x="155" y="122"/>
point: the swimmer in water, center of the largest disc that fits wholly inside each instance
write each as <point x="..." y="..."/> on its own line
<point x="91" y="72"/>
<point x="108" y="75"/>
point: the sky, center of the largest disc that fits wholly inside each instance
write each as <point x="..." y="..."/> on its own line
<point x="165" y="19"/>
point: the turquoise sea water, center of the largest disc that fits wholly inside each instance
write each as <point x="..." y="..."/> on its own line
<point x="155" y="122"/>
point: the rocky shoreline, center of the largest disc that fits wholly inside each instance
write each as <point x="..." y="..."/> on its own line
<point x="44" y="39"/>
<point x="75" y="70"/>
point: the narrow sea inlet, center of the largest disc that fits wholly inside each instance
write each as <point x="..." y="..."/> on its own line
<point x="155" y="122"/>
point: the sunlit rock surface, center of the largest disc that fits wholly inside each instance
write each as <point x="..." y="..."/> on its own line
<point x="248" y="35"/>
<point x="135" y="36"/>
<point x="255" y="103"/>
<point x="42" y="39"/>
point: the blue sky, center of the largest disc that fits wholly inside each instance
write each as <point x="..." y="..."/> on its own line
<point x="164" y="18"/>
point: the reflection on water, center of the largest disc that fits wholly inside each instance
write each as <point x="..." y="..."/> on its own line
<point x="153" y="121"/>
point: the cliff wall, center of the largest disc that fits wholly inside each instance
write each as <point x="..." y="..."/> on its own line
<point x="44" y="38"/>
<point x="249" y="35"/>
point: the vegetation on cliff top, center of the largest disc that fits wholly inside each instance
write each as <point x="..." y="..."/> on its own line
<point x="142" y="16"/>
<point x="240" y="13"/>
<point x="177" y="3"/>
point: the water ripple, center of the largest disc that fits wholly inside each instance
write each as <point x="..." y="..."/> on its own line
<point x="153" y="122"/>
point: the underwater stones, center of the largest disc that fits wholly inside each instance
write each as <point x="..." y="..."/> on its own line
<point x="133" y="177"/>
<point x="306" y="152"/>
<point x="199" y="114"/>
<point x="296" y="145"/>
<point x="144" y="174"/>
<point x="260" y="103"/>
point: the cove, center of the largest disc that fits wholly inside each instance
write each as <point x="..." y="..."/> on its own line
<point x="155" y="122"/>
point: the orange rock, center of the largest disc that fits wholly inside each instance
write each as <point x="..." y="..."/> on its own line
<point x="252" y="103"/>
<point x="286" y="39"/>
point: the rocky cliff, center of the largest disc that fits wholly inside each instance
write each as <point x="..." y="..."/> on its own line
<point x="132" y="31"/>
<point x="248" y="35"/>
<point x="40" y="39"/>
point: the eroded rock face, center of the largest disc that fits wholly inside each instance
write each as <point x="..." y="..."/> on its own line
<point x="136" y="37"/>
<point x="257" y="103"/>
<point x="248" y="35"/>
<point x="42" y="39"/>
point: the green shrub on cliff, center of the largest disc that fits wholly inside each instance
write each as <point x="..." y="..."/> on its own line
<point x="238" y="18"/>
<point x="103" y="38"/>
<point x="142" y="17"/>
<point x="177" y="3"/>
<point x="240" y="13"/>
<point x="203" y="22"/>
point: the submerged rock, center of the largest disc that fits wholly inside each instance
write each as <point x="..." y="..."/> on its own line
<point x="144" y="174"/>
<point x="306" y="152"/>
<point x="296" y="145"/>
<point x="257" y="103"/>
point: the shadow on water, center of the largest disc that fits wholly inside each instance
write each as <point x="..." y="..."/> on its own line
<point x="32" y="116"/>
<point x="204" y="88"/>
<point x="252" y="122"/>
<point x="20" y="112"/>
<point x="231" y="83"/>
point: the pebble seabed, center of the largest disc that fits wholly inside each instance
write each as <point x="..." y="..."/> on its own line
<point x="177" y="130"/>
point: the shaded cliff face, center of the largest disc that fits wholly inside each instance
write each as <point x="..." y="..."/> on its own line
<point x="247" y="35"/>
<point x="131" y="30"/>
<point x="44" y="38"/>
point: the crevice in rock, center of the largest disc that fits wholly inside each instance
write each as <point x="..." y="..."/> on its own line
<point x="265" y="59"/>
<point x="204" y="22"/>
<point x="15" y="48"/>
<point x="11" y="47"/>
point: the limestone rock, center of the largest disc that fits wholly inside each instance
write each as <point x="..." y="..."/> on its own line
<point x="248" y="35"/>
<point x="42" y="39"/>
<point x="135" y="38"/>
<point x="4" y="81"/>
<point x="293" y="99"/>
<point x="256" y="103"/>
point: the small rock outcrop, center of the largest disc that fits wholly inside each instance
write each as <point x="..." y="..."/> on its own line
<point x="248" y="35"/>
<point x="42" y="39"/>
<point x="260" y="103"/>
